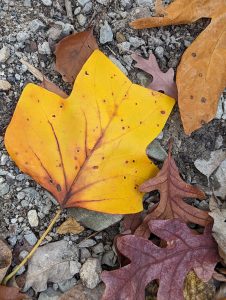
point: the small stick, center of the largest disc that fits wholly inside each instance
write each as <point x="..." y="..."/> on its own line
<point x="69" y="9"/>
<point x="53" y="221"/>
<point x="33" y="70"/>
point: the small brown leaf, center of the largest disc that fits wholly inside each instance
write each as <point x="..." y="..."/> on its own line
<point x="5" y="259"/>
<point x="161" y="81"/>
<point x="70" y="226"/>
<point x="72" y="52"/>
<point x="172" y="191"/>
<point x="52" y="87"/>
<point x="11" y="293"/>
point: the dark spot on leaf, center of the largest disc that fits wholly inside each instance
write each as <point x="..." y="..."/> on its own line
<point x="136" y="171"/>
<point x="124" y="177"/>
<point x="54" y="116"/>
<point x="78" y="150"/>
<point x="95" y="167"/>
<point x="121" y="120"/>
<point x="112" y="94"/>
<point x="76" y="167"/>
<point x="128" y="127"/>
<point x="136" y="103"/>
<point x="61" y="106"/>
<point x="104" y="100"/>
<point x="86" y="73"/>
<point x="133" y="160"/>
<point x="203" y="122"/>
<point x="28" y="119"/>
<point x="75" y="158"/>
<point x="200" y="74"/>
<point x="51" y="181"/>
<point x="157" y="125"/>
<point x="123" y="128"/>
<point x="141" y="122"/>
<point x="155" y="101"/>
<point x="58" y="188"/>
<point x="191" y="97"/>
<point x="26" y="163"/>
<point x="203" y="100"/>
<point x="126" y="161"/>
<point x="193" y="54"/>
<point x="16" y="153"/>
<point x="103" y="157"/>
<point x="163" y="112"/>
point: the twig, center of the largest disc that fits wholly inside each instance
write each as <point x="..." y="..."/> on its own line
<point x="53" y="221"/>
<point x="33" y="70"/>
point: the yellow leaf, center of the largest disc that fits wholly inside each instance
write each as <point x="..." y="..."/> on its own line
<point x="89" y="150"/>
<point x="70" y="226"/>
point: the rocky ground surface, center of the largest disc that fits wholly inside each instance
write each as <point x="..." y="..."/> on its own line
<point x="30" y="29"/>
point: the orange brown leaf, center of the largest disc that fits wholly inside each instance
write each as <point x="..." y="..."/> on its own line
<point x="89" y="150"/>
<point x="201" y="75"/>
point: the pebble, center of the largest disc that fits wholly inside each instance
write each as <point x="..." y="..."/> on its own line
<point x="90" y="273"/>
<point x="98" y="249"/>
<point x="148" y="3"/>
<point x="106" y="34"/>
<point x="142" y="78"/>
<point x="12" y="240"/>
<point x="20" y="196"/>
<point x="123" y="47"/>
<point x="81" y="19"/>
<point x="4" y="54"/>
<point x="44" y="48"/>
<point x="87" y="243"/>
<point x="88" y="7"/>
<point x="83" y="2"/>
<point x="109" y="258"/>
<point x="22" y="36"/>
<point x="23" y="254"/>
<point x="4" y="188"/>
<point x="27" y="3"/>
<point x="126" y="3"/>
<point x="50" y="294"/>
<point x="67" y="284"/>
<point x="103" y="2"/>
<point x="4" y="85"/>
<point x="159" y="51"/>
<point x="31" y="238"/>
<point x="136" y="42"/>
<point x="118" y="64"/>
<point x="84" y="254"/>
<point x="156" y="151"/>
<point x="21" y="270"/>
<point x="47" y="2"/>
<point x="35" y="25"/>
<point x="220" y="176"/>
<point x="77" y="10"/>
<point x="33" y="218"/>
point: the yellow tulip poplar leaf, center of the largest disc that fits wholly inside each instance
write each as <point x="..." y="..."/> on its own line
<point x="201" y="75"/>
<point x="89" y="150"/>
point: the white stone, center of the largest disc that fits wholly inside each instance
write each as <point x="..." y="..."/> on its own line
<point x="33" y="218"/>
<point x="83" y="2"/>
<point x="4" y="54"/>
<point x="44" y="48"/>
<point x="22" y="36"/>
<point x="35" y="25"/>
<point x="81" y="19"/>
<point x="148" y="3"/>
<point x="103" y="2"/>
<point x="47" y="2"/>
<point x="90" y="273"/>
<point x="106" y="34"/>
<point x="4" y="85"/>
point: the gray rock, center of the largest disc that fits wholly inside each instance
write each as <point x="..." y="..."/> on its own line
<point x="98" y="249"/>
<point x="220" y="176"/>
<point x="103" y="2"/>
<point x="87" y="243"/>
<point x="22" y="36"/>
<point x="136" y="42"/>
<point x="33" y="218"/>
<point x="81" y="19"/>
<point x="77" y="10"/>
<point x="109" y="258"/>
<point x="94" y="220"/>
<point x="44" y="48"/>
<point x="32" y="195"/>
<point x="106" y="34"/>
<point x="47" y="2"/>
<point x="50" y="294"/>
<point x="85" y="254"/>
<point x="55" y="32"/>
<point x="12" y="240"/>
<point x="142" y="78"/>
<point x="31" y="238"/>
<point x="155" y="150"/>
<point x="67" y="284"/>
<point x="4" y="188"/>
<point x="123" y="47"/>
<point x="83" y="2"/>
<point x="35" y="25"/>
<point x="21" y="270"/>
<point x="118" y="64"/>
<point x="126" y="3"/>
<point x="27" y="3"/>
<point x="148" y="3"/>
<point x="4" y="54"/>
<point x="221" y="110"/>
<point x="23" y="254"/>
<point x="159" y="51"/>
<point x="219" y="142"/>
<point x="90" y="273"/>
<point x="88" y="7"/>
<point x="20" y="196"/>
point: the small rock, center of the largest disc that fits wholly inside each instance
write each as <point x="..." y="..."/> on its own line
<point x="126" y="3"/>
<point x="4" y="85"/>
<point x="23" y="254"/>
<point x="77" y="10"/>
<point x="142" y="78"/>
<point x="90" y="273"/>
<point x="67" y="284"/>
<point x="20" y="196"/>
<point x="54" y="32"/>
<point x="4" y="54"/>
<point x="123" y="47"/>
<point x="27" y="3"/>
<point x="120" y="38"/>
<point x="136" y="42"/>
<point x="21" y="270"/>
<point x="12" y="240"/>
<point x="106" y="34"/>
<point x="159" y="51"/>
<point x="103" y="2"/>
<point x="99" y="248"/>
<point x="88" y="7"/>
<point x="81" y="19"/>
<point x="44" y="48"/>
<point x="22" y="36"/>
<point x="84" y="254"/>
<point x="219" y="142"/>
<point x="109" y="258"/>
<point x="83" y="2"/>
<point x="94" y="220"/>
<point x="31" y="238"/>
<point x="221" y="110"/>
<point x="87" y="243"/>
<point x="155" y="151"/>
<point x="32" y="218"/>
<point x="160" y="136"/>
<point x="4" y="188"/>
<point x="118" y="64"/>
<point x="47" y="2"/>
<point x="220" y="176"/>
<point x="35" y="25"/>
<point x="4" y="159"/>
<point x="49" y="294"/>
<point x="148" y="3"/>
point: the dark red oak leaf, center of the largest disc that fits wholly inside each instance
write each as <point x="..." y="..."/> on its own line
<point x="172" y="192"/>
<point x="185" y="251"/>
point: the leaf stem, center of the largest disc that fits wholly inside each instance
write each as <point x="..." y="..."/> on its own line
<point x="53" y="221"/>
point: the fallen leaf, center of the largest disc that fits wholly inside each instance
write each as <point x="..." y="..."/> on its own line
<point x="131" y="222"/>
<point x="219" y="276"/>
<point x="80" y="292"/>
<point x="198" y="89"/>
<point x="161" y="81"/>
<point x="70" y="226"/>
<point x="54" y="262"/>
<point x="185" y="251"/>
<point x="172" y="191"/>
<point x="5" y="259"/>
<point x="89" y="150"/>
<point x="221" y="293"/>
<point x="11" y="293"/>
<point x="72" y="52"/>
<point x="196" y="289"/>
<point x="219" y="229"/>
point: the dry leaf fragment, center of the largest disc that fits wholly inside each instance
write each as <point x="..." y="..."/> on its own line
<point x="219" y="228"/>
<point x="70" y="226"/>
<point x="172" y="191"/>
<point x="11" y="293"/>
<point x="5" y="259"/>
<point x="185" y="251"/>
<point x="72" y="52"/>
<point x="80" y="148"/>
<point x="80" y="292"/>
<point x="201" y="75"/>
<point x="161" y="81"/>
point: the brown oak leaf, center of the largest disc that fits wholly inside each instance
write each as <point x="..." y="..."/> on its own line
<point x="185" y="251"/>
<point x="161" y="81"/>
<point x="172" y="191"/>
<point x="201" y="75"/>
<point x="72" y="52"/>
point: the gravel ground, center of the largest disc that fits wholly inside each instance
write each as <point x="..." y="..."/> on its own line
<point x="30" y="29"/>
